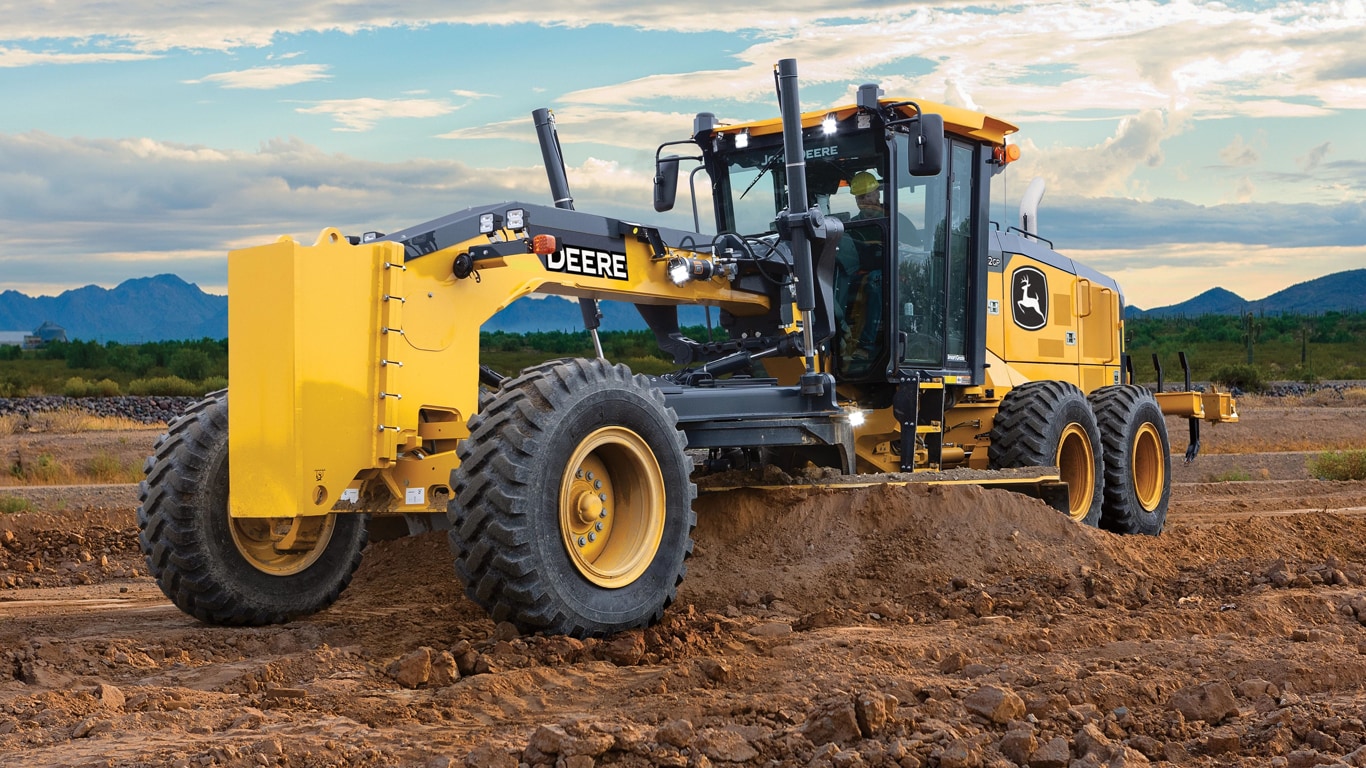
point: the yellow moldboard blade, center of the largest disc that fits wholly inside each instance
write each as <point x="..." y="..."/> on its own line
<point x="305" y="341"/>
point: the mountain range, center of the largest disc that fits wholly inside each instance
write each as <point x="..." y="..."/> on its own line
<point x="1338" y="292"/>
<point x="165" y="307"/>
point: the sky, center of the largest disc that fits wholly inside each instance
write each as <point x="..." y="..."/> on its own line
<point x="1185" y="145"/>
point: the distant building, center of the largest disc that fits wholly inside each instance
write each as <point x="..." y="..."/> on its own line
<point x="47" y="333"/>
<point x="43" y="335"/>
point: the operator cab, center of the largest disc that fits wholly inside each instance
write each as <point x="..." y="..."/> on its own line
<point x="908" y="296"/>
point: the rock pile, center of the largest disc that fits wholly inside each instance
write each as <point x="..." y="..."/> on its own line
<point x="147" y="410"/>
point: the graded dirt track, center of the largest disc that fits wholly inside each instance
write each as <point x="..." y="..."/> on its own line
<point x="882" y="626"/>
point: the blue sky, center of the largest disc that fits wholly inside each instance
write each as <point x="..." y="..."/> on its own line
<point x="1186" y="145"/>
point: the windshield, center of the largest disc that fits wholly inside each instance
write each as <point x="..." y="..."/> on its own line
<point x="754" y="191"/>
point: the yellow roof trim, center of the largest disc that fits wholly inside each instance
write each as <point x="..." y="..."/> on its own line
<point x="963" y="122"/>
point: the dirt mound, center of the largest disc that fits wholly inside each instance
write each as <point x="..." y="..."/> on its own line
<point x="826" y="547"/>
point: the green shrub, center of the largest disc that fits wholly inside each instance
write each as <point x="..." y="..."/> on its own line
<point x="1339" y="465"/>
<point x="1241" y="375"/>
<point x="213" y="384"/>
<point x="105" y="388"/>
<point x="11" y="504"/>
<point x="76" y="387"/>
<point x="165" y="386"/>
<point x="105" y="467"/>
<point x="190" y="364"/>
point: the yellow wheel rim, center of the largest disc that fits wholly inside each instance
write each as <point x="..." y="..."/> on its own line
<point x="1077" y="465"/>
<point x="282" y="546"/>
<point x="1149" y="471"/>
<point x="612" y="507"/>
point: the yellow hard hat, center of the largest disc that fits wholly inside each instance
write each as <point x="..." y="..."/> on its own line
<point x="863" y="183"/>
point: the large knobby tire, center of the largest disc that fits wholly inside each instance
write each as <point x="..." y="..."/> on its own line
<point x="572" y="508"/>
<point x="224" y="570"/>
<point x="1138" y="462"/>
<point x="1050" y="423"/>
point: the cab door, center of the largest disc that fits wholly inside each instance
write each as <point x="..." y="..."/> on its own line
<point x="936" y="239"/>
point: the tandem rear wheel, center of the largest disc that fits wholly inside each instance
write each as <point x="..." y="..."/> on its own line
<point x="572" y="507"/>
<point x="1050" y="423"/>
<point x="1138" y="462"/>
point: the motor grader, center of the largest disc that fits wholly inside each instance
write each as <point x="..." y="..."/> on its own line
<point x="876" y="323"/>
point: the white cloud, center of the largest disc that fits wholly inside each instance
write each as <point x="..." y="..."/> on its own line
<point x="1106" y="168"/>
<point x="464" y="94"/>
<point x="1240" y="153"/>
<point x="590" y="125"/>
<point x="266" y="78"/>
<point x="363" y="113"/>
<point x="201" y="24"/>
<point x="1315" y="156"/>
<point x="114" y="209"/>
<point x="17" y="57"/>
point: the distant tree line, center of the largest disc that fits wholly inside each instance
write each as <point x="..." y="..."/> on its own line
<point x="85" y="368"/>
<point x="1249" y="349"/>
<point x="1327" y="328"/>
<point x="1228" y="348"/>
<point x="193" y="360"/>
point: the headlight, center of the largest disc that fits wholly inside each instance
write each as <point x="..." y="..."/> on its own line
<point x="678" y="270"/>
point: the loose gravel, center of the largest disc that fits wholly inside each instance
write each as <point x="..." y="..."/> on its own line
<point x="146" y="410"/>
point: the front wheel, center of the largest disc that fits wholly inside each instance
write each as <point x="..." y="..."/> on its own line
<point x="225" y="570"/>
<point x="1050" y="423"/>
<point x="1138" y="462"/>
<point x="572" y="510"/>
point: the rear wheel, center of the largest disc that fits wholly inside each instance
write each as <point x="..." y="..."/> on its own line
<point x="225" y="570"/>
<point x="572" y="511"/>
<point x="1138" y="462"/>
<point x="1050" y="423"/>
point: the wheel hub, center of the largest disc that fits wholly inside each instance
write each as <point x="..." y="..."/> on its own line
<point x="282" y="546"/>
<point x="612" y="507"/>
<point x="1149" y="474"/>
<point x="1076" y="465"/>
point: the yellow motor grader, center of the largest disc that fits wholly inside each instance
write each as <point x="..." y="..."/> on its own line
<point x="876" y="322"/>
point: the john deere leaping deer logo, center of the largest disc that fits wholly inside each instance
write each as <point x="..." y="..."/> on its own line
<point x="1029" y="298"/>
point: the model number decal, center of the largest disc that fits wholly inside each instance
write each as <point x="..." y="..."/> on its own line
<point x="587" y="262"/>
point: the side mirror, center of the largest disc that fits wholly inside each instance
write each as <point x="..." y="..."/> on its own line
<point x="926" y="148"/>
<point x="666" y="182"/>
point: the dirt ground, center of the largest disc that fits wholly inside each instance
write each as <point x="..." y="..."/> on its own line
<point x="884" y="626"/>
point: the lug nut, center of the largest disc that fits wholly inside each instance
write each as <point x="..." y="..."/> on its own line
<point x="597" y="483"/>
<point x="582" y="541"/>
<point x="590" y="475"/>
<point x="598" y="525"/>
<point x="579" y="474"/>
<point x="602" y="513"/>
<point x="592" y="537"/>
<point x="602" y="497"/>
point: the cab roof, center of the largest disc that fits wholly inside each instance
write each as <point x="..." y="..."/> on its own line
<point x="963" y="122"/>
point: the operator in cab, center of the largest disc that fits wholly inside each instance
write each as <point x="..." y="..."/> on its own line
<point x="862" y="263"/>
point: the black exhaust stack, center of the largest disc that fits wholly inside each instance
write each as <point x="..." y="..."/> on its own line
<point x="559" y="190"/>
